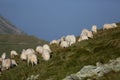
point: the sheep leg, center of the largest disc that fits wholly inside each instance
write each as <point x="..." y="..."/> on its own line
<point x="28" y="62"/>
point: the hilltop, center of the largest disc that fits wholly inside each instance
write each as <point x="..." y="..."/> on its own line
<point x="6" y="27"/>
<point x="104" y="46"/>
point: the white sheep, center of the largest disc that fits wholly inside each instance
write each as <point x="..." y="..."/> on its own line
<point x="109" y="26"/>
<point x="87" y="33"/>
<point x="54" y="42"/>
<point x="23" y="55"/>
<point x="44" y="51"/>
<point x="46" y="55"/>
<point x="32" y="58"/>
<point x="13" y="62"/>
<point x="90" y="35"/>
<point x="13" y="53"/>
<point x="71" y="39"/>
<point x="94" y="29"/>
<point x="6" y="64"/>
<point x="39" y="49"/>
<point x="62" y="38"/>
<point x="3" y="56"/>
<point x="45" y="46"/>
<point x="114" y="25"/>
<point x="82" y="37"/>
<point x="30" y="51"/>
<point x="64" y="44"/>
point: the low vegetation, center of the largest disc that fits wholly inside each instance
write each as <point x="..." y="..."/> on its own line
<point x="104" y="46"/>
<point x="10" y="42"/>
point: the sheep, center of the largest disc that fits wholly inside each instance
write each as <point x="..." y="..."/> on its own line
<point x="23" y="55"/>
<point x="87" y="33"/>
<point x="6" y="64"/>
<point x="45" y="46"/>
<point x="30" y="51"/>
<point x="62" y="38"/>
<point x="64" y="44"/>
<point x="3" y="56"/>
<point x="114" y="24"/>
<point x="94" y="29"/>
<point x="46" y="55"/>
<point x="13" y="62"/>
<point x="39" y="49"/>
<point x="71" y="39"/>
<point x="32" y="58"/>
<point x="54" y="42"/>
<point x="82" y="37"/>
<point x="90" y="35"/>
<point x="109" y="26"/>
<point x="44" y="51"/>
<point x="13" y="53"/>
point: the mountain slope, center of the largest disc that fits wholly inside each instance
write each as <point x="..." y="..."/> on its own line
<point x="10" y="42"/>
<point x="7" y="28"/>
<point x="11" y="37"/>
<point x="104" y="46"/>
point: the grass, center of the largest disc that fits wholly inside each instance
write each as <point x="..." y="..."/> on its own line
<point x="10" y="42"/>
<point x="104" y="46"/>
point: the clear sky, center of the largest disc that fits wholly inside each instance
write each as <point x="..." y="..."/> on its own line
<point x="51" y="19"/>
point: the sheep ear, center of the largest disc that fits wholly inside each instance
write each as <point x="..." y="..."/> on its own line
<point x="3" y="56"/>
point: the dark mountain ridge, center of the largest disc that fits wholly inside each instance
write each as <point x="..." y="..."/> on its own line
<point x="6" y="27"/>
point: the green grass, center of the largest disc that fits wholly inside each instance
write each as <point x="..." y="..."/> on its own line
<point x="10" y="42"/>
<point x="104" y="46"/>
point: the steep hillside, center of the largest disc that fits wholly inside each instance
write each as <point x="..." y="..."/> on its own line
<point x="12" y="38"/>
<point x="104" y="46"/>
<point x="7" y="28"/>
<point x="10" y="42"/>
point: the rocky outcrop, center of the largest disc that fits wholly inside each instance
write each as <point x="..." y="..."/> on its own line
<point x="91" y="71"/>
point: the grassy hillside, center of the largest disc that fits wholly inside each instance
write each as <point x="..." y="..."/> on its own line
<point x="104" y="46"/>
<point x="10" y="42"/>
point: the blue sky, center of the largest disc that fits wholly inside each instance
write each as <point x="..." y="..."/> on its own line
<point x="51" y="19"/>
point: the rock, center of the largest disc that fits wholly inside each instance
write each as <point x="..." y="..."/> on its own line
<point x="72" y="77"/>
<point x="97" y="71"/>
<point x="116" y="66"/>
<point x="87" y="71"/>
